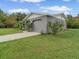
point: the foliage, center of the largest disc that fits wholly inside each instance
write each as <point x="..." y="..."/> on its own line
<point x="29" y="25"/>
<point x="55" y="27"/>
<point x="11" y="20"/>
<point x="72" y="22"/>
<point x="19" y="25"/>
<point x="2" y="25"/>
<point x="2" y="18"/>
<point x="19" y="16"/>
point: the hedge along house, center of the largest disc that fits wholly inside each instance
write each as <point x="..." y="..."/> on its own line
<point x="40" y="22"/>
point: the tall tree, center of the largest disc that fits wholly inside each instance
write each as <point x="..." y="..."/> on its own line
<point x="78" y="14"/>
<point x="71" y="22"/>
<point x="19" y="16"/>
<point x="10" y="21"/>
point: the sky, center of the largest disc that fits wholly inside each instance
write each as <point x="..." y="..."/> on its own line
<point x="41" y="6"/>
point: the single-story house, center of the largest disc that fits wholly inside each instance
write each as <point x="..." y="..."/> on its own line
<point x="40" y="21"/>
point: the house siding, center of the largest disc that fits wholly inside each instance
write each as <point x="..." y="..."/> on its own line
<point x="54" y="19"/>
<point x="41" y="25"/>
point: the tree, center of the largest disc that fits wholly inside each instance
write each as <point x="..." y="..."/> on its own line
<point x="14" y="20"/>
<point x="71" y="22"/>
<point x="10" y="21"/>
<point x="19" y="16"/>
<point x="78" y="14"/>
<point x="2" y="18"/>
<point x="19" y="25"/>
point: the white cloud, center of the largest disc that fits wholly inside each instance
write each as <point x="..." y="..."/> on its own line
<point x="14" y="0"/>
<point x="55" y="12"/>
<point x="66" y="12"/>
<point x="67" y="0"/>
<point x="44" y="11"/>
<point x="56" y="9"/>
<point x="33" y="1"/>
<point x="19" y="10"/>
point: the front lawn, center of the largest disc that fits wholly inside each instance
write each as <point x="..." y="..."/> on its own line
<point x="63" y="46"/>
<point x="5" y="31"/>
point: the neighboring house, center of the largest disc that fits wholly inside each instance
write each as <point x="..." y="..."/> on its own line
<point x="40" y="21"/>
<point x="76" y="18"/>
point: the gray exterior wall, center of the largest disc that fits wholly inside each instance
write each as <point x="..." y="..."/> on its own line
<point x="50" y="19"/>
<point x="40" y="25"/>
<point x="54" y="19"/>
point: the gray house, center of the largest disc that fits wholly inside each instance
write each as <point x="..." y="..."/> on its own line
<point x="40" y="21"/>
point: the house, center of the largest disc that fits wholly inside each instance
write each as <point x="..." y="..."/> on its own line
<point x="76" y="18"/>
<point x="40" y="21"/>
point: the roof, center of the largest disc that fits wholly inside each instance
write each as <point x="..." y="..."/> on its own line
<point x="76" y="18"/>
<point x="36" y="15"/>
<point x="61" y="15"/>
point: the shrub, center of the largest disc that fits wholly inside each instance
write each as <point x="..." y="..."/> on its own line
<point x="55" y="27"/>
<point x="29" y="26"/>
<point x="2" y="25"/>
<point x="72" y="22"/>
<point x="19" y="25"/>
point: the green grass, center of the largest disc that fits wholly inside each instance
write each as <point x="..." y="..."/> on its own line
<point x="63" y="46"/>
<point x="5" y="31"/>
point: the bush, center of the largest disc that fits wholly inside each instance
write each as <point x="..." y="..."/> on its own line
<point x="55" y="27"/>
<point x="2" y="25"/>
<point x="29" y="26"/>
<point x="19" y="25"/>
<point x="74" y="24"/>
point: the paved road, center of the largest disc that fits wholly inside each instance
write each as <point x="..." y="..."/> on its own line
<point x="17" y="36"/>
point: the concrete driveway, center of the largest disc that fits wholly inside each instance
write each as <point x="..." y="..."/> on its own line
<point x="17" y="36"/>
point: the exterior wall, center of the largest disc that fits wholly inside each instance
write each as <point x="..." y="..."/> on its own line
<point x="65" y="24"/>
<point x="40" y="25"/>
<point x="53" y="19"/>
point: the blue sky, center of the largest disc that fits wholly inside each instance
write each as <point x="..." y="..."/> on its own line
<point x="46" y="6"/>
